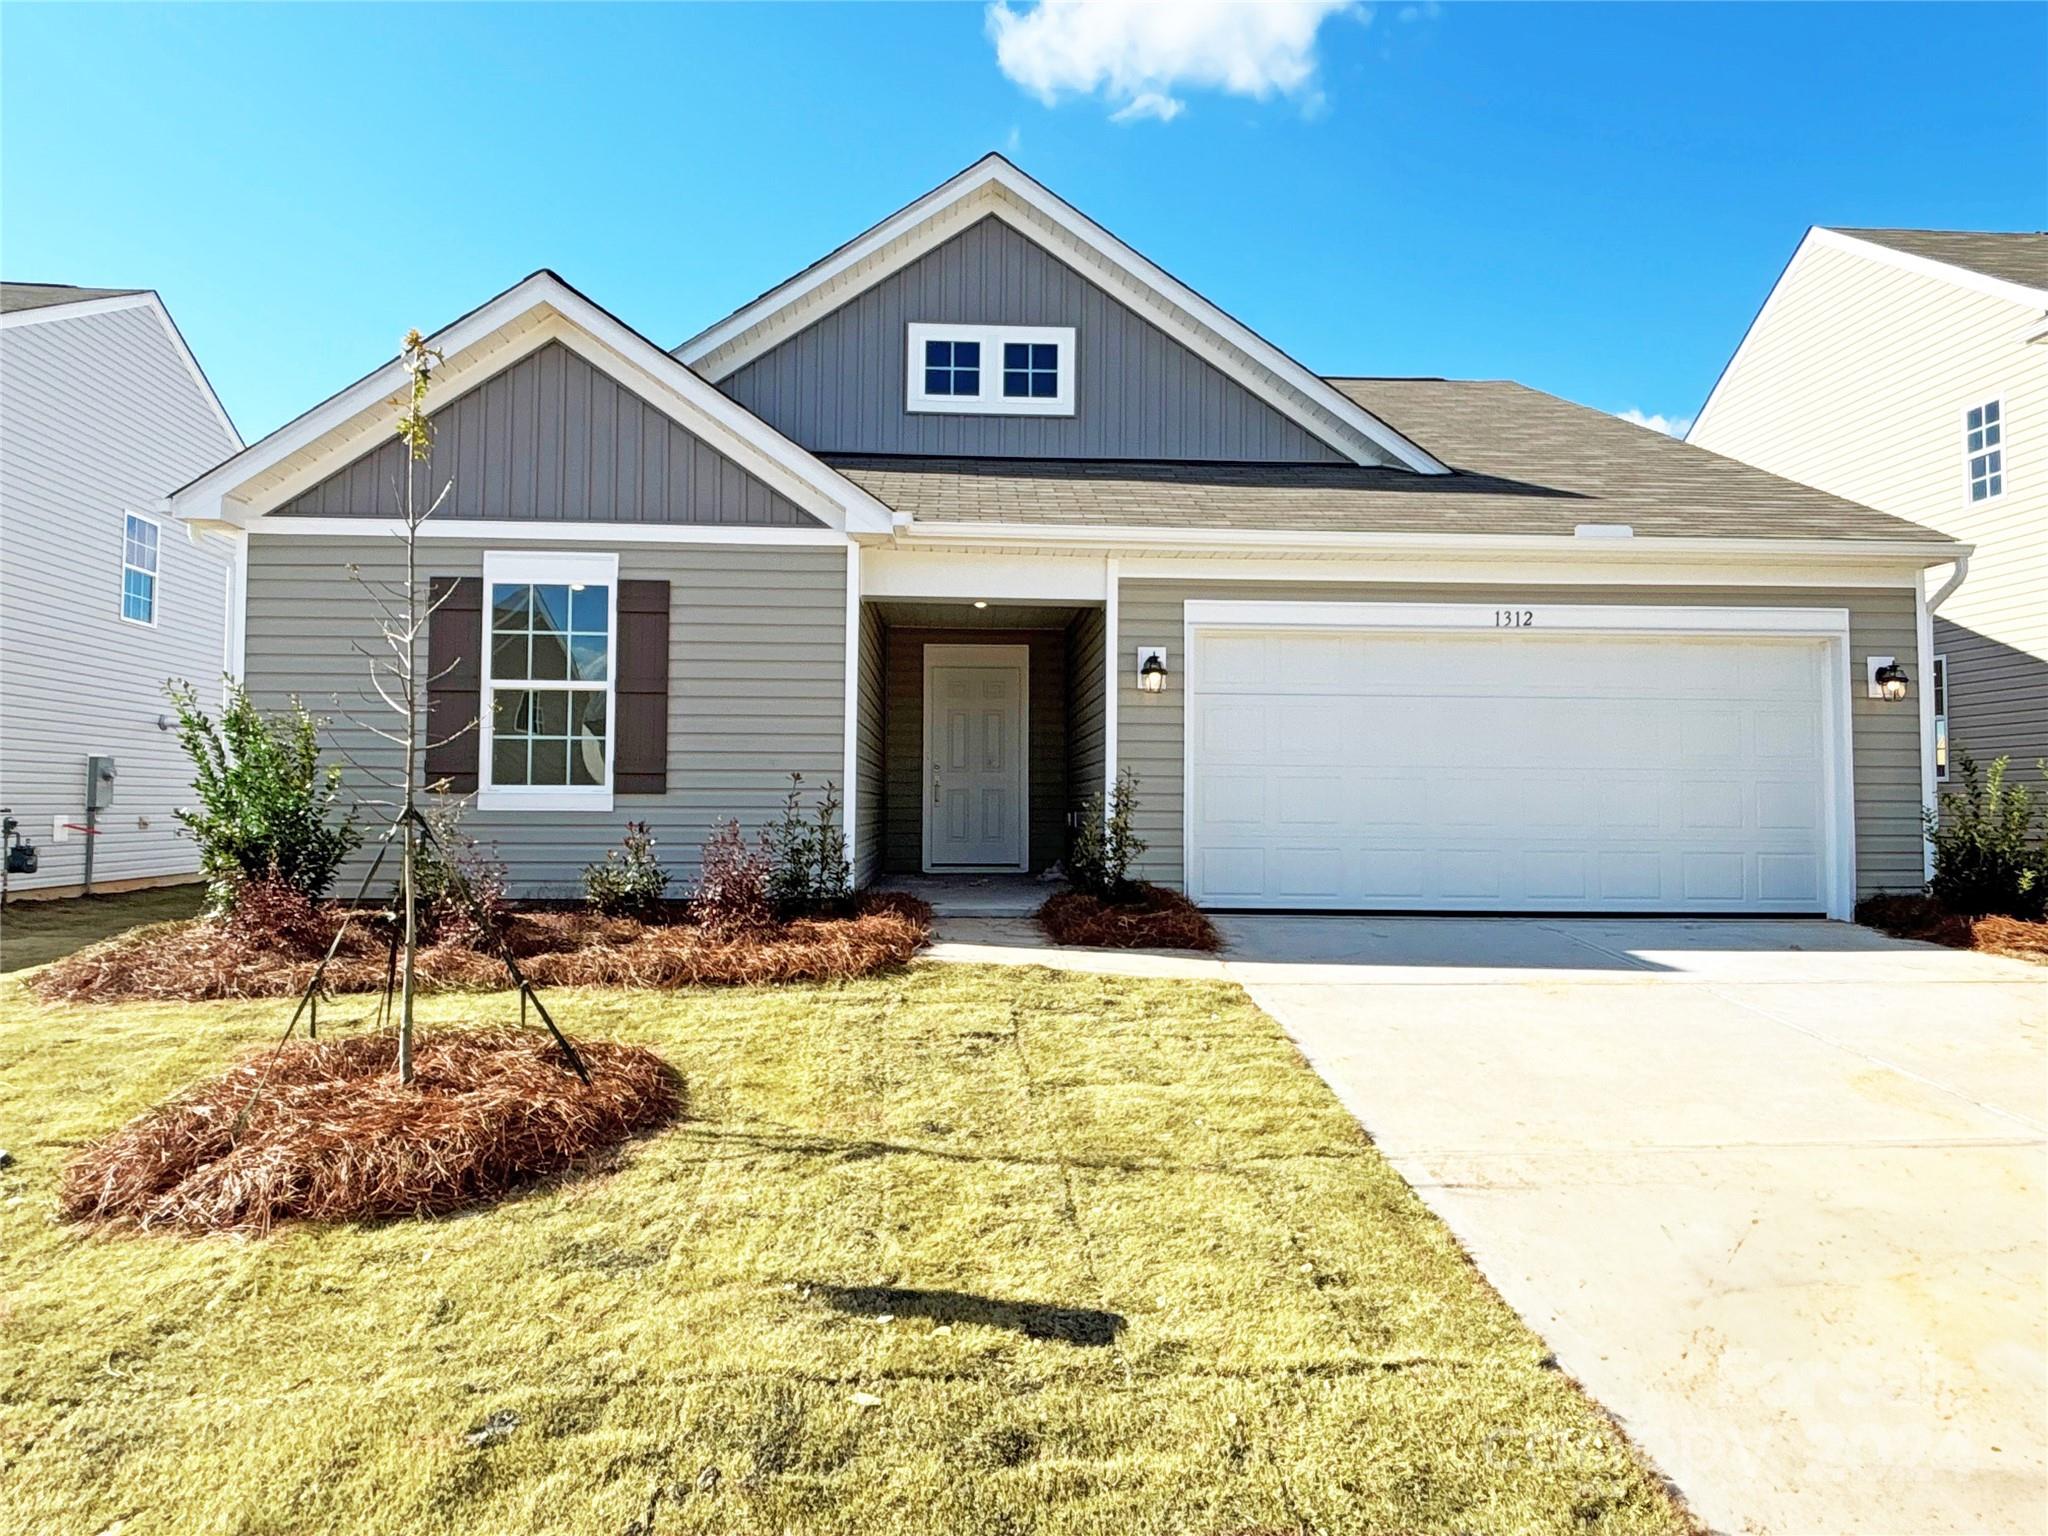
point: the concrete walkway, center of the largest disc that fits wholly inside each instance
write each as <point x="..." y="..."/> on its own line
<point x="1777" y="1193"/>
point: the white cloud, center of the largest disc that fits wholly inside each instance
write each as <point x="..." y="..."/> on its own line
<point x="1148" y="104"/>
<point x="1670" y="426"/>
<point x="1137" y="56"/>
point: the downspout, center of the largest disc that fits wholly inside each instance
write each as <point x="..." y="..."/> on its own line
<point x="1955" y="579"/>
<point x="1929" y="794"/>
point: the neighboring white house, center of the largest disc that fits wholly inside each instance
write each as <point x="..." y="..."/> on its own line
<point x="102" y="411"/>
<point x="1908" y="369"/>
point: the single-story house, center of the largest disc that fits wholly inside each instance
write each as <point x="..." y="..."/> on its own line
<point x="984" y="506"/>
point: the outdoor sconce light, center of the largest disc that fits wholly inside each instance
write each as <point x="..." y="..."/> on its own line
<point x="1888" y="680"/>
<point x="1151" y="669"/>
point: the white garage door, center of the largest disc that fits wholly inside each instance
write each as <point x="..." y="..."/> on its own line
<point x="1371" y="769"/>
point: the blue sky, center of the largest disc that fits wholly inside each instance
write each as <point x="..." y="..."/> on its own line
<point x="1592" y="199"/>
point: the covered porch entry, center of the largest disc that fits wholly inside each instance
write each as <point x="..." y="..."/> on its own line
<point x="980" y="733"/>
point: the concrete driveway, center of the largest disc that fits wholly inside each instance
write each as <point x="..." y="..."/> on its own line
<point x="1777" y="1193"/>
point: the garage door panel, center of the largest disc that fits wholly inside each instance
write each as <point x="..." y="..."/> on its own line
<point x="1367" y="769"/>
<point x="1791" y="877"/>
<point x="1713" y="877"/>
<point x="1787" y="805"/>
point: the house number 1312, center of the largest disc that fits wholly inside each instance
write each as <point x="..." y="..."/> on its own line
<point x="1513" y="618"/>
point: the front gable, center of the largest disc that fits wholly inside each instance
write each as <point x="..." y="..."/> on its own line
<point x="838" y="386"/>
<point x="554" y="439"/>
<point x="1173" y="376"/>
<point x="556" y="413"/>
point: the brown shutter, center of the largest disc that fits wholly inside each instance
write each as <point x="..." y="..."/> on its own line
<point x="640" y="759"/>
<point x="455" y="679"/>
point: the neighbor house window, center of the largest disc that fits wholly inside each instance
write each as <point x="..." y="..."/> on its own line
<point x="138" y="570"/>
<point x="547" y="734"/>
<point x="991" y="370"/>
<point x="1940" y="719"/>
<point x="1984" y="442"/>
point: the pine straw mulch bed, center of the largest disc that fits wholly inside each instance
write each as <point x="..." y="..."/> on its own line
<point x="1921" y="917"/>
<point x="330" y="1134"/>
<point x="1152" y="918"/>
<point x="205" y="960"/>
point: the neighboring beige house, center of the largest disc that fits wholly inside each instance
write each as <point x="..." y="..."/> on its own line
<point x="985" y="506"/>
<point x="1908" y="369"/>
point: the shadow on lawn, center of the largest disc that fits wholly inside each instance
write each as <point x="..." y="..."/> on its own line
<point x="1033" y="1319"/>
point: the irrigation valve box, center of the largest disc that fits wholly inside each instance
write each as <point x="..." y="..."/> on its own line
<point x="99" y="783"/>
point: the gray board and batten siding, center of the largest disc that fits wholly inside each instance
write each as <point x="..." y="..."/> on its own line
<point x="553" y="439"/>
<point x="837" y="386"/>
<point x="756" y="685"/>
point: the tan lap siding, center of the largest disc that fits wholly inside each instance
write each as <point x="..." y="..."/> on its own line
<point x="1885" y="738"/>
<point x="869" y="742"/>
<point x="1084" y="707"/>
<point x="756" y="683"/>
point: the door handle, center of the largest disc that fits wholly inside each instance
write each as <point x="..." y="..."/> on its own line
<point x="935" y="783"/>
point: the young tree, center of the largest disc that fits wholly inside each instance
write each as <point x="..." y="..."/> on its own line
<point x="395" y="672"/>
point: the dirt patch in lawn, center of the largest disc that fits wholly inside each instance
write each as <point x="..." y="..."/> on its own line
<point x="1152" y="918"/>
<point x="1920" y="917"/>
<point x="205" y="961"/>
<point x="322" y="1130"/>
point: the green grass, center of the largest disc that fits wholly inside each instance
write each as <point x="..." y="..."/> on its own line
<point x="1302" y="1346"/>
<point x="37" y="932"/>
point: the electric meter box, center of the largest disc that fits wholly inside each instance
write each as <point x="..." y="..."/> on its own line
<point x="99" y="783"/>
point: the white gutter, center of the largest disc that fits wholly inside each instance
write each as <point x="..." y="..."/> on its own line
<point x="1238" y="541"/>
<point x="1941" y="593"/>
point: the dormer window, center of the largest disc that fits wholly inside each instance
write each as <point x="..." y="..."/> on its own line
<point x="1984" y="443"/>
<point x="952" y="369"/>
<point x="990" y="370"/>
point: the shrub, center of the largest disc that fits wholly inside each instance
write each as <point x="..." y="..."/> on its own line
<point x="1104" y="847"/>
<point x="630" y="882"/>
<point x="808" y="855"/>
<point x="273" y="916"/>
<point x="267" y="810"/>
<point x="1989" y="857"/>
<point x="446" y="863"/>
<point x="732" y="889"/>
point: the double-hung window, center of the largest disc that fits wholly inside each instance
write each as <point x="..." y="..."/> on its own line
<point x="990" y="370"/>
<point x="1984" y="446"/>
<point x="1940" y="719"/>
<point x="139" y="552"/>
<point x="549" y="668"/>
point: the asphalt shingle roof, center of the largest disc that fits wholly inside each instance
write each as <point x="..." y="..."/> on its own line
<point x="1525" y="462"/>
<point x="2016" y="258"/>
<point x="14" y="296"/>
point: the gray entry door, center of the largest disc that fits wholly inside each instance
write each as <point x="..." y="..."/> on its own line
<point x="975" y="727"/>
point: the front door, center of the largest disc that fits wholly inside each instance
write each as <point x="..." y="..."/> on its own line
<point x="974" y="730"/>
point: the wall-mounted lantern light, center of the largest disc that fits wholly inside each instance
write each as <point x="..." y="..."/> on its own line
<point x="1888" y="680"/>
<point x="1151" y="669"/>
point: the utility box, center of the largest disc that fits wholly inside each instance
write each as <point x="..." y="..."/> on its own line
<point x="99" y="783"/>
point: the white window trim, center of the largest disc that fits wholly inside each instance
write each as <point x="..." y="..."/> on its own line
<point x="156" y="577"/>
<point x="1937" y="693"/>
<point x="539" y="566"/>
<point x="991" y="401"/>
<point x="2004" y="458"/>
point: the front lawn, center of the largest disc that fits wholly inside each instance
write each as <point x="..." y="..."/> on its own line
<point x="950" y="1249"/>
